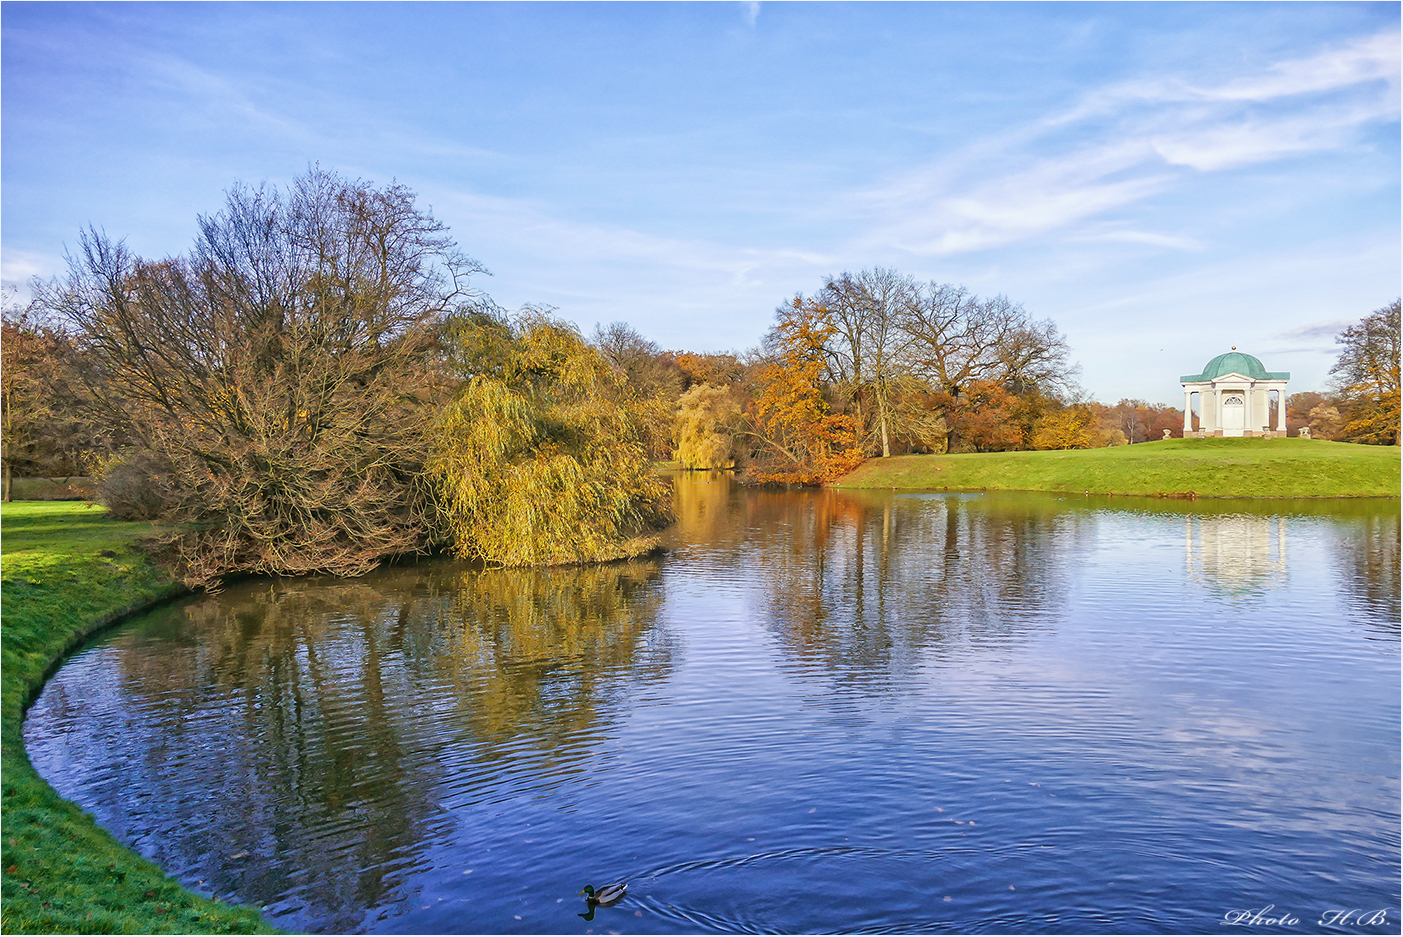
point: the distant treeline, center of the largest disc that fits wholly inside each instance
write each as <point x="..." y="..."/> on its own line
<point x="318" y="384"/>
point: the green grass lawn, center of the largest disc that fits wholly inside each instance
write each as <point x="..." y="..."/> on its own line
<point x="67" y="570"/>
<point x="1204" y="468"/>
<point x="76" y="488"/>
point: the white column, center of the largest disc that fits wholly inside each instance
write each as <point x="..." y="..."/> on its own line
<point x="1188" y="412"/>
<point x="1281" y="409"/>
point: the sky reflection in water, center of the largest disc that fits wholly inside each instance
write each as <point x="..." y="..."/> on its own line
<point x="822" y="711"/>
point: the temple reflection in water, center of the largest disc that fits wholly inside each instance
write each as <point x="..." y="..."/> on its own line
<point x="1236" y="554"/>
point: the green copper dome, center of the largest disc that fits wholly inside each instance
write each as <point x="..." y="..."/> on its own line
<point x="1235" y="362"/>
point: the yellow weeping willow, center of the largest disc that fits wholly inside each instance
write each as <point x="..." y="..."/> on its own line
<point x="538" y="462"/>
<point x="705" y="427"/>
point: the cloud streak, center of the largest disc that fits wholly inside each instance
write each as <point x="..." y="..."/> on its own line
<point x="1143" y="135"/>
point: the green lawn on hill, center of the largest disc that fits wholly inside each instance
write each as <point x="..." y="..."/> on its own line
<point x="1203" y="468"/>
<point x="66" y="570"/>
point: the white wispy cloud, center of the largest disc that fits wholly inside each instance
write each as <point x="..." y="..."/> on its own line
<point x="1213" y="148"/>
<point x="1143" y="135"/>
<point x="1051" y="194"/>
<point x="1368" y="59"/>
<point x="1113" y="234"/>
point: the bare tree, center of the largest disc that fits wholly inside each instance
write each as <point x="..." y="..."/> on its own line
<point x="866" y="310"/>
<point x="42" y="395"/>
<point x="651" y="375"/>
<point x="1034" y="356"/>
<point x="280" y="369"/>
<point x="955" y="338"/>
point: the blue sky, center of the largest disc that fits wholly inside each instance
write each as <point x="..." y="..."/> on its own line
<point x="1162" y="180"/>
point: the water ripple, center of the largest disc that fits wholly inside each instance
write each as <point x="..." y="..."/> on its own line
<point x="823" y="712"/>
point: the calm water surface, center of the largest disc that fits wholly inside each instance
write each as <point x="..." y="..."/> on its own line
<point x="821" y="712"/>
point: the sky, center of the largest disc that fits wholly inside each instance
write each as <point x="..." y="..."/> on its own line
<point x="1163" y="180"/>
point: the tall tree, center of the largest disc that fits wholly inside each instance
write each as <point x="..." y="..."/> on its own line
<point x="955" y="339"/>
<point x="796" y="437"/>
<point x="1366" y="374"/>
<point x="281" y="370"/>
<point x="983" y="417"/>
<point x="707" y="422"/>
<point x="866" y="311"/>
<point x="36" y="428"/>
<point x="650" y="375"/>
<point x="46" y="406"/>
<point x="723" y="370"/>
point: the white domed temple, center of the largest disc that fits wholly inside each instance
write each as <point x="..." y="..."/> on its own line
<point x="1234" y="395"/>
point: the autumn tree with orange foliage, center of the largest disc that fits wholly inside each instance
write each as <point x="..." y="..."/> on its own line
<point x="1079" y="426"/>
<point x="983" y="417"/>
<point x="796" y="439"/>
<point x="723" y="370"/>
<point x="42" y="427"/>
<point x="1367" y="377"/>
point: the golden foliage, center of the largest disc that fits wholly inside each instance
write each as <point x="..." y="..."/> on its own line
<point x="981" y="417"/>
<point x="1069" y="428"/>
<point x="705" y="426"/>
<point x="541" y="653"/>
<point x="538" y="461"/>
<point x="1326" y="421"/>
<point x="800" y="441"/>
<point x="1076" y="427"/>
<point x="1368" y="374"/>
<point x="720" y="369"/>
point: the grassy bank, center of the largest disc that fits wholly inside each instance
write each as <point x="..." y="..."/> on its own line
<point x="74" y="488"/>
<point x="69" y="570"/>
<point x="1204" y="468"/>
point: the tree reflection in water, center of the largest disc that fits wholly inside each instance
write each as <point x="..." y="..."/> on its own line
<point x="553" y="654"/>
<point x="870" y="586"/>
<point x="1366" y="555"/>
<point x="348" y="750"/>
<point x="336" y="725"/>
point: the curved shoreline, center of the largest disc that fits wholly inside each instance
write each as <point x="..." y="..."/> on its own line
<point x="69" y="573"/>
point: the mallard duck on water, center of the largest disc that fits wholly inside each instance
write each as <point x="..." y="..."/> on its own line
<point x="606" y="895"/>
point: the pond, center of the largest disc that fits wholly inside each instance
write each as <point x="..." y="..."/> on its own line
<point x="821" y="711"/>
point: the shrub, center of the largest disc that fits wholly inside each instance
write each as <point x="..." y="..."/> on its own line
<point x="134" y="486"/>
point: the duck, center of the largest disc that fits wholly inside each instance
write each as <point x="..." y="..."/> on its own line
<point x="606" y="895"/>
